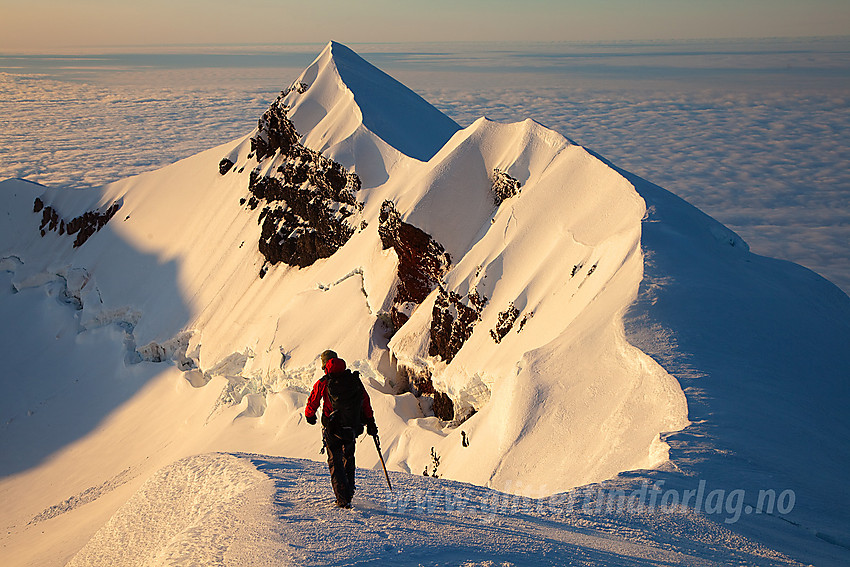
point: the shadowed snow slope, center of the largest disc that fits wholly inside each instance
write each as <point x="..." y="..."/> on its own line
<point x="525" y="316"/>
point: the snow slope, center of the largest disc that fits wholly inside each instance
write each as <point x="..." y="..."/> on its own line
<point x="350" y="97"/>
<point x="195" y="511"/>
<point x="593" y="324"/>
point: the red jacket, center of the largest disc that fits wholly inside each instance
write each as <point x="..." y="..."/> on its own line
<point x="320" y="393"/>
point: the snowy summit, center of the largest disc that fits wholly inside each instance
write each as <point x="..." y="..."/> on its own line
<point x="588" y="369"/>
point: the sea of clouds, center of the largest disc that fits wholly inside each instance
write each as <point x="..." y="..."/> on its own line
<point x="754" y="132"/>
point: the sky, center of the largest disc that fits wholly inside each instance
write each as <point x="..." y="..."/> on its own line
<point x="48" y="24"/>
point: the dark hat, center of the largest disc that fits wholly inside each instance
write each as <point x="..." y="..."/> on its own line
<point x="326" y="356"/>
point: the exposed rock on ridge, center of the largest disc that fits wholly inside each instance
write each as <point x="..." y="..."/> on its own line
<point x="419" y="383"/>
<point x="276" y="131"/>
<point x="84" y="226"/>
<point x="505" y="323"/>
<point x="307" y="196"/>
<point x="453" y="321"/>
<point x="504" y="186"/>
<point x="422" y="262"/>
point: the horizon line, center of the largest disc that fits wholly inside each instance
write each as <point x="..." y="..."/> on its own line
<point x="47" y="50"/>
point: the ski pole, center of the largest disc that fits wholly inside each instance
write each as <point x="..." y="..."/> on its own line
<point x="378" y="447"/>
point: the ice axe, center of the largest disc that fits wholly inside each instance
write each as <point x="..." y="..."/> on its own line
<point x="378" y="447"/>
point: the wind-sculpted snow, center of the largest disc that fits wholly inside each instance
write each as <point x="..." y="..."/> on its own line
<point x="764" y="162"/>
<point x="390" y="110"/>
<point x="88" y="495"/>
<point x="243" y="509"/>
<point x="458" y="245"/>
<point x="188" y="513"/>
<point x="754" y="140"/>
<point x="76" y="288"/>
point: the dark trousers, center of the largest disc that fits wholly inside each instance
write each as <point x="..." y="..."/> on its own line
<point x="341" y="465"/>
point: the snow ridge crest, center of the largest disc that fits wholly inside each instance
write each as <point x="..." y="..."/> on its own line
<point x="340" y="91"/>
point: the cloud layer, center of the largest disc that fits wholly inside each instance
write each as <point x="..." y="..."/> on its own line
<point x="79" y="134"/>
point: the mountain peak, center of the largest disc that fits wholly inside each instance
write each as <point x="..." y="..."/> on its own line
<point x="387" y="108"/>
<point x="339" y="50"/>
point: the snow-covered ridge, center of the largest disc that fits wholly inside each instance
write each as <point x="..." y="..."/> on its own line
<point x="242" y="509"/>
<point x="539" y="251"/>
<point x="515" y="305"/>
<point x="340" y="93"/>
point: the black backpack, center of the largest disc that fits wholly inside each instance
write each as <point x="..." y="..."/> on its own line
<point x="345" y="392"/>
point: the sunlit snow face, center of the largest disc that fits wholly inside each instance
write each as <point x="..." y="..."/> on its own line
<point x="750" y="133"/>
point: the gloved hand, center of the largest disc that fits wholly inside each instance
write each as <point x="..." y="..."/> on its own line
<point x="311" y="419"/>
<point x="372" y="428"/>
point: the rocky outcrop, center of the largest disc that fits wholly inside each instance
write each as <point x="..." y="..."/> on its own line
<point x="443" y="406"/>
<point x="422" y="262"/>
<point x="275" y="132"/>
<point x="452" y="322"/>
<point x="224" y="166"/>
<point x="305" y="214"/>
<point x="306" y="200"/>
<point x="420" y="384"/>
<point x="504" y="186"/>
<point x="525" y="319"/>
<point x="84" y="226"/>
<point x="297" y="87"/>
<point x="505" y="323"/>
